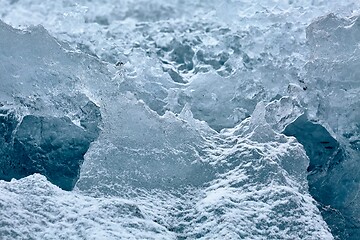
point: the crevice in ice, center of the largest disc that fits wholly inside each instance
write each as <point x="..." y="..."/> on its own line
<point x="47" y="121"/>
<point x="187" y="65"/>
<point x="327" y="158"/>
<point x="322" y="149"/>
<point x="54" y="147"/>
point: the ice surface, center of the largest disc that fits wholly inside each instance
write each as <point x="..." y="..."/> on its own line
<point x="47" y="120"/>
<point x="171" y="158"/>
<point x="169" y="119"/>
<point x="33" y="208"/>
<point x="333" y="82"/>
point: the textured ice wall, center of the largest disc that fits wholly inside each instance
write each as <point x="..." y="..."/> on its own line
<point x="33" y="208"/>
<point x="333" y="80"/>
<point x="202" y="61"/>
<point x="47" y="121"/>
<point x="329" y="131"/>
<point x="211" y="178"/>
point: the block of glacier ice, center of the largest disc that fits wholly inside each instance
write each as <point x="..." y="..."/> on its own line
<point x="221" y="102"/>
<point x="140" y="149"/>
<point x="246" y="182"/>
<point x="333" y="101"/>
<point x="47" y="121"/>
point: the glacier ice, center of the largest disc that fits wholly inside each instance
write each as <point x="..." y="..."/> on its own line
<point x="333" y="83"/>
<point x="33" y="208"/>
<point x="179" y="120"/>
<point x="47" y="126"/>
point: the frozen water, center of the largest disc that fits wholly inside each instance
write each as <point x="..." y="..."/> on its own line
<point x="179" y="120"/>
<point x="47" y="121"/>
<point x="333" y="83"/>
<point x="33" y="208"/>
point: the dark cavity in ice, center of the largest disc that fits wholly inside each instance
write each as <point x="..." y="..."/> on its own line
<point x="54" y="147"/>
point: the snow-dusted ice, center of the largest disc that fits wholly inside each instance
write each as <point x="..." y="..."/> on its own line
<point x="179" y="120"/>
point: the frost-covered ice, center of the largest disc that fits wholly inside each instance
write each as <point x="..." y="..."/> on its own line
<point x="33" y="208"/>
<point x="179" y="120"/>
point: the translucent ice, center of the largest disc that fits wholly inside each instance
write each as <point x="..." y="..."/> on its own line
<point x="47" y="122"/>
<point x="179" y="119"/>
<point x="333" y="83"/>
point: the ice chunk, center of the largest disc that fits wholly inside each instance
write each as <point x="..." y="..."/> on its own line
<point x="221" y="102"/>
<point x="330" y="134"/>
<point x="280" y="113"/>
<point x="333" y="74"/>
<point x="47" y="121"/>
<point x="250" y="182"/>
<point x="228" y="69"/>
<point x="140" y="149"/>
